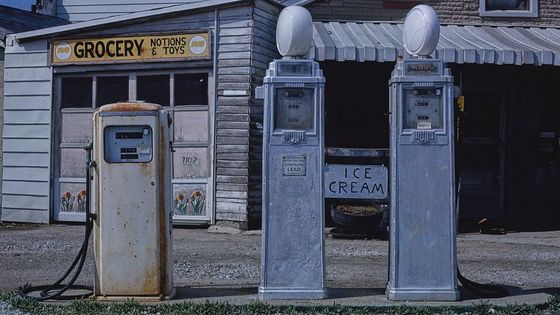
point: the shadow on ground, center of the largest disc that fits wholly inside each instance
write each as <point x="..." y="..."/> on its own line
<point x="250" y="292"/>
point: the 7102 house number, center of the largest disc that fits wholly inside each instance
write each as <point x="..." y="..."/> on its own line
<point x="190" y="160"/>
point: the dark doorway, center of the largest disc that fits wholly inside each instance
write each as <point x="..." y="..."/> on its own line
<point x="356" y="104"/>
<point x="480" y="153"/>
<point x="356" y="123"/>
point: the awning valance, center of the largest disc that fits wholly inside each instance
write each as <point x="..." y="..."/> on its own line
<point x="381" y="42"/>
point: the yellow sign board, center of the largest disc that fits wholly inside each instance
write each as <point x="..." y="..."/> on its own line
<point x="134" y="48"/>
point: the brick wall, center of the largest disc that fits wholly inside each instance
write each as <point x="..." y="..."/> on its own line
<point x="449" y="11"/>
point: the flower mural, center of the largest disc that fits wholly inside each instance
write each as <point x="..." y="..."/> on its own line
<point x="81" y="199"/>
<point x="180" y="204"/>
<point x="197" y="202"/>
<point x="67" y="202"/>
<point x="189" y="201"/>
<point x="73" y="202"/>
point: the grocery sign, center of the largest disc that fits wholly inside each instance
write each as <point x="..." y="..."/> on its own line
<point x="137" y="48"/>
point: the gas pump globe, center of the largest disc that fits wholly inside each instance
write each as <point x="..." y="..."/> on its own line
<point x="422" y="263"/>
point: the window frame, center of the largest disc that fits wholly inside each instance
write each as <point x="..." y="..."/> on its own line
<point x="533" y="10"/>
<point x="132" y="86"/>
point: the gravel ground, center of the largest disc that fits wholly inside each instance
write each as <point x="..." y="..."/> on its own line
<point x="522" y="261"/>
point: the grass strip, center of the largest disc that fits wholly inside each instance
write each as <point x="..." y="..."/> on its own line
<point x="86" y="307"/>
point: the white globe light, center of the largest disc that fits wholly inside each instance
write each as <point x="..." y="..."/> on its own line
<point x="294" y="31"/>
<point x="421" y="31"/>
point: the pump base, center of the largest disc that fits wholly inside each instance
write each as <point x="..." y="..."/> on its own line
<point x="422" y="294"/>
<point x="137" y="298"/>
<point x="266" y="294"/>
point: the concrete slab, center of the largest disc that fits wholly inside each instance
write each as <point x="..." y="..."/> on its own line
<point x="356" y="297"/>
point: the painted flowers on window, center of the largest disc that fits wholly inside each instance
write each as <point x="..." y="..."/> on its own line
<point x="180" y="204"/>
<point x="81" y="200"/>
<point x="73" y="203"/>
<point x="67" y="202"/>
<point x="190" y="202"/>
<point x="197" y="202"/>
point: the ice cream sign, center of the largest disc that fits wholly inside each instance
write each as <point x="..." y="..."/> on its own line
<point x="137" y="48"/>
<point x="356" y="181"/>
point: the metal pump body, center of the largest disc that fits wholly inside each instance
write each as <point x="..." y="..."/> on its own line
<point x="422" y="262"/>
<point x="293" y="255"/>
<point x="132" y="203"/>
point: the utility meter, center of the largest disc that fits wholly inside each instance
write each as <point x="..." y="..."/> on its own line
<point x="422" y="255"/>
<point x="132" y="202"/>
<point x="293" y="262"/>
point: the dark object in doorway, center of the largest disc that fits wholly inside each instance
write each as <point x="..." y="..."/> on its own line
<point x="341" y="233"/>
<point x="488" y="227"/>
<point x="360" y="220"/>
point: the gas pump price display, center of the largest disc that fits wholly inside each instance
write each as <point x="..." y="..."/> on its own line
<point x="128" y="144"/>
<point x="422" y="108"/>
<point x="294" y="110"/>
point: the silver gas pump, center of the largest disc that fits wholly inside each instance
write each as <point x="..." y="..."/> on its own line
<point x="132" y="202"/>
<point x="293" y="259"/>
<point x="422" y="263"/>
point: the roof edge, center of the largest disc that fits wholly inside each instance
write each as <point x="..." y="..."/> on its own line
<point x="300" y="3"/>
<point x="123" y="19"/>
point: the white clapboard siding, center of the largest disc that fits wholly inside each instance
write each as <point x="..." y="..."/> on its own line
<point x="80" y="10"/>
<point x="263" y="51"/>
<point x="246" y="46"/>
<point x="24" y="215"/>
<point x="24" y="173"/>
<point x="232" y="112"/>
<point x="27" y="132"/>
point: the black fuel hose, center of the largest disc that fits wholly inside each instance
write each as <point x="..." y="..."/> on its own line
<point x="55" y="290"/>
<point x="479" y="289"/>
<point x="482" y="290"/>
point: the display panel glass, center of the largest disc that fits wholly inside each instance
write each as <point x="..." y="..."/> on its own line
<point x="128" y="144"/>
<point x="422" y="108"/>
<point x="293" y="109"/>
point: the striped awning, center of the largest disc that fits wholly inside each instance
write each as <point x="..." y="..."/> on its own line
<point x="381" y="42"/>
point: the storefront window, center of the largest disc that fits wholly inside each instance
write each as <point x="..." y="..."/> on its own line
<point x="509" y="8"/>
<point x="76" y="92"/>
<point x="111" y="90"/>
<point x="191" y="89"/>
<point x="153" y="89"/>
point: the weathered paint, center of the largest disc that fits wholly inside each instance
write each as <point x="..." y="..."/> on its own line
<point x="130" y="107"/>
<point x="133" y="231"/>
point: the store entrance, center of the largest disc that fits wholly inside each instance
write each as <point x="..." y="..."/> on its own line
<point x="480" y="154"/>
<point x="188" y="97"/>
